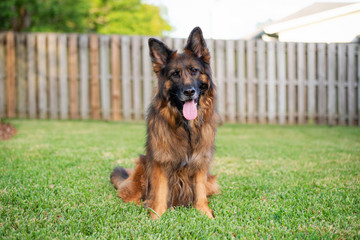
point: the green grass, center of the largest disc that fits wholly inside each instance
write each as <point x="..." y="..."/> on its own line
<point x="276" y="181"/>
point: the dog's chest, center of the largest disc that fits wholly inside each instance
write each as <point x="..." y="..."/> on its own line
<point x="194" y="148"/>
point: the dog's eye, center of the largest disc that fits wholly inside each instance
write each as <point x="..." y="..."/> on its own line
<point x="204" y="87"/>
<point x="193" y="70"/>
<point x="175" y="74"/>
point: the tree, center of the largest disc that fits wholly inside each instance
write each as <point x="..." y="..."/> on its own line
<point x="126" y="17"/>
<point x="44" y="15"/>
<point x="103" y="16"/>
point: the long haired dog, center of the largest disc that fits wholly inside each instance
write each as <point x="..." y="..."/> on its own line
<point x="181" y="125"/>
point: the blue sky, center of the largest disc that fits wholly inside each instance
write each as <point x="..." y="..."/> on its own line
<point x="227" y="19"/>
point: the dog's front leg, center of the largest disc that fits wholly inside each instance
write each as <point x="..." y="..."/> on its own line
<point x="201" y="202"/>
<point x="160" y="188"/>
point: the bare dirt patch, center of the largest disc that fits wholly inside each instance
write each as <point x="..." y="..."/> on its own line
<point x="7" y="131"/>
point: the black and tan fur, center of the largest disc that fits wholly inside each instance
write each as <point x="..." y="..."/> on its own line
<point x="175" y="169"/>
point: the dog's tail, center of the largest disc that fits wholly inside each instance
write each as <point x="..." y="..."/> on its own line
<point x="130" y="183"/>
<point x="119" y="175"/>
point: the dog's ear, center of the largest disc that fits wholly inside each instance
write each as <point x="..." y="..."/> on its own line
<point x="159" y="54"/>
<point x="197" y="45"/>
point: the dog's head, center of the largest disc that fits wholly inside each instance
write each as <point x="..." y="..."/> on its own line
<point x="184" y="78"/>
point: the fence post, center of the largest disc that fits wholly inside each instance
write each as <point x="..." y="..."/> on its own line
<point x="351" y="72"/>
<point x="104" y="77"/>
<point x="42" y="75"/>
<point x="321" y="87"/>
<point x="311" y="50"/>
<point x="73" y="76"/>
<point x="84" y="76"/>
<point x="331" y="83"/>
<point x="341" y="83"/>
<point x="261" y="91"/>
<point x="178" y="44"/>
<point x="31" y="75"/>
<point x="2" y="75"/>
<point x="115" y="72"/>
<point x="21" y="74"/>
<point x="10" y="74"/>
<point x="281" y="64"/>
<point x="63" y="75"/>
<point x="136" y="64"/>
<point x="147" y="78"/>
<point x="94" y="73"/>
<point x="291" y="82"/>
<point x="241" y="81"/>
<point x="220" y="76"/>
<point x="53" y="83"/>
<point x="250" y="53"/>
<point x="358" y="54"/>
<point x="271" y="73"/>
<point x="301" y="75"/>
<point x="125" y="80"/>
<point x="230" y="83"/>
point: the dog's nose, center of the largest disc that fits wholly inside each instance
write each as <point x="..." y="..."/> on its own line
<point x="189" y="91"/>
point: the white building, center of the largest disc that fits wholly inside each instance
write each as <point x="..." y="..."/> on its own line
<point x="320" y="22"/>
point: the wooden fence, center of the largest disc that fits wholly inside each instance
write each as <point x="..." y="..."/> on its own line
<point x="72" y="76"/>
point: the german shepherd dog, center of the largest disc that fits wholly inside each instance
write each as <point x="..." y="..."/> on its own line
<point x="181" y="125"/>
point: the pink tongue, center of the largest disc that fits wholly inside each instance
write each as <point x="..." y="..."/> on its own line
<point x="189" y="110"/>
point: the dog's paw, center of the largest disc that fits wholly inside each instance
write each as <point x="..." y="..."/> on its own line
<point x="208" y="212"/>
<point x="204" y="208"/>
<point x="156" y="214"/>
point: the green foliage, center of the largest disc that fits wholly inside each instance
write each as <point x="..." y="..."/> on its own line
<point x="44" y="15"/>
<point x="291" y="182"/>
<point x="102" y="16"/>
<point x="60" y="16"/>
<point x="126" y="17"/>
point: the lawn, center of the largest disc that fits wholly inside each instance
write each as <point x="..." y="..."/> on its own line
<point x="276" y="181"/>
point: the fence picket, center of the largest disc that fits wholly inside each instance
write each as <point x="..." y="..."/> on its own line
<point x="341" y="82"/>
<point x="94" y="75"/>
<point x="301" y="75"/>
<point x="31" y="75"/>
<point x="63" y="76"/>
<point x="271" y="73"/>
<point x="321" y="58"/>
<point x="281" y="63"/>
<point x="331" y="84"/>
<point x="291" y="62"/>
<point x="351" y="73"/>
<point x="220" y="76"/>
<point x="178" y="44"/>
<point x="241" y="81"/>
<point x="261" y="93"/>
<point x="125" y="75"/>
<point x="358" y="84"/>
<point x="210" y="45"/>
<point x="2" y="75"/>
<point x="147" y="77"/>
<point x="10" y="74"/>
<point x="73" y="76"/>
<point x="250" y="52"/>
<point x="169" y="42"/>
<point x="136" y="64"/>
<point x="104" y="77"/>
<point x="84" y="76"/>
<point x="53" y="85"/>
<point x="311" y="64"/>
<point x="230" y="81"/>
<point x="21" y="75"/>
<point x="115" y="83"/>
<point x="42" y="75"/>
